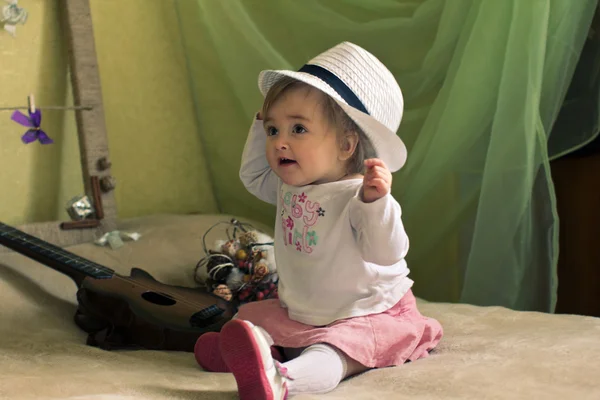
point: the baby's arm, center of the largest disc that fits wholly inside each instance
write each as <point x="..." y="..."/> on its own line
<point x="255" y="173"/>
<point x="379" y="229"/>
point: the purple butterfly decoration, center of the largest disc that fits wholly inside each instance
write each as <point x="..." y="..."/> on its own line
<point x="33" y="122"/>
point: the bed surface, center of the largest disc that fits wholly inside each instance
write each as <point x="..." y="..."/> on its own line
<point x="486" y="353"/>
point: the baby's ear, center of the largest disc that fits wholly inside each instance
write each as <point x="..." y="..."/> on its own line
<point x="348" y="145"/>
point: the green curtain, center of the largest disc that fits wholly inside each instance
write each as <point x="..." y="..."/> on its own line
<point x="483" y="81"/>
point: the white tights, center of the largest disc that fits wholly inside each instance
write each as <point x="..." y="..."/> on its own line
<point x="318" y="369"/>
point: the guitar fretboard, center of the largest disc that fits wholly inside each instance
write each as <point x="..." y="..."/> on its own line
<point x="47" y="253"/>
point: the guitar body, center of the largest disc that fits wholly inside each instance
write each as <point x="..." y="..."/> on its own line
<point x="127" y="312"/>
<point x="140" y="312"/>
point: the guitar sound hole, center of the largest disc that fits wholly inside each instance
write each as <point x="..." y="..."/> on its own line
<point x="158" y="298"/>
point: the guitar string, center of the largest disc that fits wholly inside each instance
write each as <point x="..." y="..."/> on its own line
<point x="49" y="247"/>
<point x="198" y="306"/>
<point x="53" y="249"/>
<point x="132" y="281"/>
<point x="115" y="275"/>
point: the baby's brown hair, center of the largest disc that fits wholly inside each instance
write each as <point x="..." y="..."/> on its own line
<point x="335" y="115"/>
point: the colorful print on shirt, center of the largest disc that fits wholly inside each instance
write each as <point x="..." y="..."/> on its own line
<point x="299" y="215"/>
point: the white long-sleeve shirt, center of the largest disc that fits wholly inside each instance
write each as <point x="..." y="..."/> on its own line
<point x="337" y="257"/>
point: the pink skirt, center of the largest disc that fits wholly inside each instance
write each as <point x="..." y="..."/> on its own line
<point x="387" y="339"/>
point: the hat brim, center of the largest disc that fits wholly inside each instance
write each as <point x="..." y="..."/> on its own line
<point x="387" y="144"/>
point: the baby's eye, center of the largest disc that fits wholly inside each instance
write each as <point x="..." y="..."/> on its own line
<point x="299" y="129"/>
<point x="271" y="131"/>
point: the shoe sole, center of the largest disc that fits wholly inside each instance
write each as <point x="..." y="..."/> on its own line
<point x="242" y="355"/>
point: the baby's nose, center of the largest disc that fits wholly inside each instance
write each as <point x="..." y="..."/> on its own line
<point x="281" y="144"/>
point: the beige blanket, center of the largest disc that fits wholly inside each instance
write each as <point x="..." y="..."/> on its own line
<point x="487" y="353"/>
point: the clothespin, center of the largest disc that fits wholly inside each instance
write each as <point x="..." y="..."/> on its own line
<point x="32" y="122"/>
<point x="31" y="103"/>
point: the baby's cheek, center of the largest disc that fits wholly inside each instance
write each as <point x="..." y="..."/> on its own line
<point x="270" y="154"/>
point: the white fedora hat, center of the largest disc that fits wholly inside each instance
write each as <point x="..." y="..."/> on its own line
<point x="363" y="87"/>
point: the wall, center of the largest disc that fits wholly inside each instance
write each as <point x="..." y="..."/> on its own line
<point x="153" y="137"/>
<point x="35" y="179"/>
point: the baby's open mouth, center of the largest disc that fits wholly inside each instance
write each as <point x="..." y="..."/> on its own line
<point x="286" y="161"/>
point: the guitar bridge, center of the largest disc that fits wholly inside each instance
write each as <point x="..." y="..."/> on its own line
<point x="202" y="317"/>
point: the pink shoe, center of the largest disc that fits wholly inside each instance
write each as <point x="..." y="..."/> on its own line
<point x="208" y="353"/>
<point x="246" y="351"/>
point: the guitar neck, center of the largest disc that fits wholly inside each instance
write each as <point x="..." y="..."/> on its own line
<point x="52" y="256"/>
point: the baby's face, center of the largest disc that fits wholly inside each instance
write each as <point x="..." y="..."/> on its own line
<point x="302" y="146"/>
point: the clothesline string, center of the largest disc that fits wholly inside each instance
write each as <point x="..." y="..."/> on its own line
<point x="48" y="108"/>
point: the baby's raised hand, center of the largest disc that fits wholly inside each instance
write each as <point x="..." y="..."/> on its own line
<point x="377" y="181"/>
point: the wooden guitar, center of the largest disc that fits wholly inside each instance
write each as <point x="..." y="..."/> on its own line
<point x="134" y="311"/>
